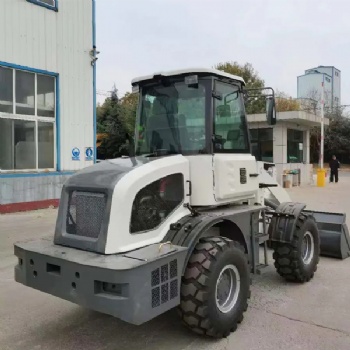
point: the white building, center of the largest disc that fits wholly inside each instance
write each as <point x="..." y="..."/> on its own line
<point x="309" y="85"/>
<point x="47" y="98"/>
<point x="286" y="144"/>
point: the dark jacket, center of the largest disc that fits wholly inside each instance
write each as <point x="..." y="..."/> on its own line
<point x="334" y="164"/>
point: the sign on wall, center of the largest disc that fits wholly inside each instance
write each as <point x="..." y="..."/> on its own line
<point x="89" y="153"/>
<point x="75" y="153"/>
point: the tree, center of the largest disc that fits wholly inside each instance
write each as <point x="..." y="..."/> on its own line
<point x="129" y="104"/>
<point x="112" y="120"/>
<point x="337" y="136"/>
<point x="285" y="103"/>
<point x="252" y="80"/>
<point x="104" y="110"/>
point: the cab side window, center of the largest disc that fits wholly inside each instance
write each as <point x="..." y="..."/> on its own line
<point x="230" y="131"/>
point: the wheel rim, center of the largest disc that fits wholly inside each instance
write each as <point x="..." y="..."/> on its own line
<point x="308" y="247"/>
<point x="227" y="288"/>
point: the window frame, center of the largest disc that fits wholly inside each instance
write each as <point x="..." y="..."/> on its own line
<point x="247" y="150"/>
<point x="35" y="118"/>
<point x="152" y="184"/>
<point x="295" y="141"/>
<point x="42" y="4"/>
<point x="258" y="141"/>
<point x="207" y="82"/>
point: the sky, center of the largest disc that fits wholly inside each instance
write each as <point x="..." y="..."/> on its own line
<point x="280" y="38"/>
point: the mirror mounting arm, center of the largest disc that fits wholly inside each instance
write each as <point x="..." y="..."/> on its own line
<point x="217" y="95"/>
<point x="256" y="93"/>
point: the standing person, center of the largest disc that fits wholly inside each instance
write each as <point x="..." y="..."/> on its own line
<point x="334" y="166"/>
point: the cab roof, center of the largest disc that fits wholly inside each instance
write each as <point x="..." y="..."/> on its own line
<point x="188" y="71"/>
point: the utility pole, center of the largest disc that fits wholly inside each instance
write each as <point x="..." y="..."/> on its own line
<point x="321" y="174"/>
<point x="322" y="125"/>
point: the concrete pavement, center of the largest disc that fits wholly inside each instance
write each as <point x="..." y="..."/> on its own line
<point x="313" y="316"/>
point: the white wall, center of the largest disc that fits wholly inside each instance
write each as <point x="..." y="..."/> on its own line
<point x="279" y="144"/>
<point x="33" y="36"/>
<point x="280" y="150"/>
<point x="309" y="83"/>
<point x="336" y="80"/>
<point x="305" y="172"/>
<point x="337" y="85"/>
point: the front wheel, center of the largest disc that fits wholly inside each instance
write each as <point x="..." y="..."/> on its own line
<point x="297" y="261"/>
<point x="215" y="287"/>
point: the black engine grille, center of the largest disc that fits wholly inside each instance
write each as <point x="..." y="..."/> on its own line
<point x="85" y="213"/>
<point x="164" y="284"/>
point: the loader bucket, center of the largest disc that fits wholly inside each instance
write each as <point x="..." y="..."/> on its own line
<point x="334" y="234"/>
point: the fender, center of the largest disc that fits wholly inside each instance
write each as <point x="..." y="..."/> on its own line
<point x="283" y="221"/>
<point x="188" y="231"/>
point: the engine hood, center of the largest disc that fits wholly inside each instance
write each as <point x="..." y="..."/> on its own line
<point x="97" y="201"/>
<point x="104" y="175"/>
<point x="96" y="183"/>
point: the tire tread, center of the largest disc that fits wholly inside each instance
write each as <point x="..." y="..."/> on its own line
<point x="194" y="296"/>
<point x="286" y="256"/>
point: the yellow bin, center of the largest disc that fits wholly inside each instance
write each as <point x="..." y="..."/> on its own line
<point x="321" y="177"/>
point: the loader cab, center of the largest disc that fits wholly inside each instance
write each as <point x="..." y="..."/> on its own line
<point x="193" y="113"/>
<point x="200" y="114"/>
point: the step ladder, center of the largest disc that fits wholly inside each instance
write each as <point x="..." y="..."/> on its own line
<point x="258" y="238"/>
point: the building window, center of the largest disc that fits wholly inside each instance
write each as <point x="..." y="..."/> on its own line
<point x="50" y="4"/>
<point x="27" y="120"/>
<point x="336" y="74"/>
<point x="262" y="144"/>
<point x="295" y="146"/>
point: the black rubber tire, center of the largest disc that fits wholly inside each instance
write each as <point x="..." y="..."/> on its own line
<point x="288" y="256"/>
<point x="198" y="305"/>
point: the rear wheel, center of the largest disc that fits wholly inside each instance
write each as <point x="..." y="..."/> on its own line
<point x="297" y="261"/>
<point x="215" y="288"/>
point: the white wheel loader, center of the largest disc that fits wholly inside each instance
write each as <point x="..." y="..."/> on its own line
<point x="180" y="222"/>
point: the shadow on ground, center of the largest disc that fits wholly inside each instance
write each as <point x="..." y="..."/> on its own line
<point x="85" y="329"/>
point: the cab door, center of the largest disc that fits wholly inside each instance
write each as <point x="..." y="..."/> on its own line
<point x="234" y="168"/>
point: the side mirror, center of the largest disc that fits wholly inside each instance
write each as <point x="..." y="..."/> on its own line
<point x="257" y="93"/>
<point x="271" y="111"/>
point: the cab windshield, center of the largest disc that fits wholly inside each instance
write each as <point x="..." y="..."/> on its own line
<point x="172" y="119"/>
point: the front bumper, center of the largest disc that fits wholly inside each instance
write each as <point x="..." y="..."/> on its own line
<point x="134" y="287"/>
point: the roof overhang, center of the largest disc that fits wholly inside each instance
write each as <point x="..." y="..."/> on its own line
<point x="188" y="71"/>
<point x="299" y="117"/>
